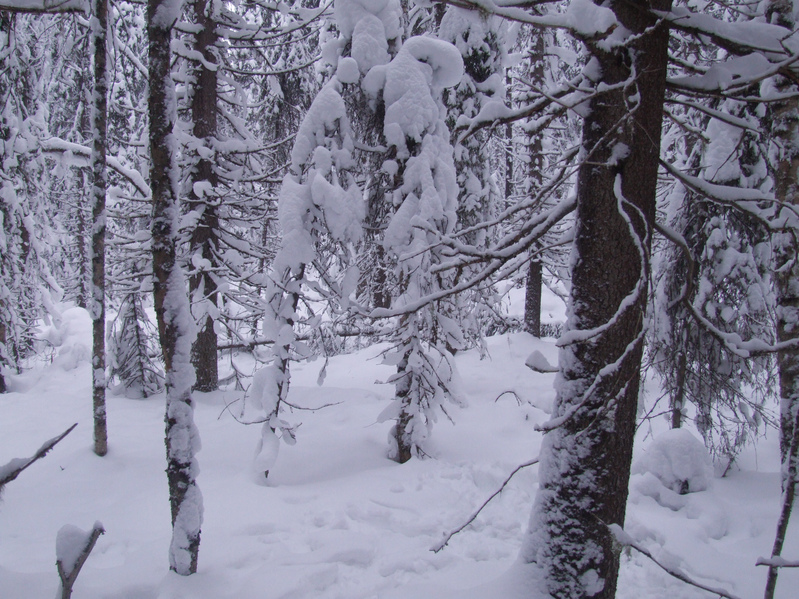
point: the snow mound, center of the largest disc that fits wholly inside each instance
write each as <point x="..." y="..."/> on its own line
<point x="71" y="335"/>
<point x="678" y="460"/>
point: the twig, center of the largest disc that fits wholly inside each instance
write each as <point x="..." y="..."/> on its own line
<point x="447" y="536"/>
<point x="626" y="540"/>
<point x="510" y="392"/>
<point x="13" y="469"/>
<point x="326" y="405"/>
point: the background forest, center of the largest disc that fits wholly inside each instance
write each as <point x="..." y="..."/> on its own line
<point x="200" y="201"/>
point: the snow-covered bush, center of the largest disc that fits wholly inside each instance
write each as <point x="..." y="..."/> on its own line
<point x="70" y="334"/>
<point x="679" y="460"/>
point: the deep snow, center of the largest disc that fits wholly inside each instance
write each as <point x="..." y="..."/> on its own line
<point x="337" y="519"/>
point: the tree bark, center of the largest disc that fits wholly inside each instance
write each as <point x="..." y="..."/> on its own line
<point x="585" y="461"/>
<point x="204" y="240"/>
<point x="532" y="299"/>
<point x="99" y="187"/>
<point x="3" y="387"/>
<point x="175" y="324"/>
<point x="679" y="395"/>
<point x="785" y="123"/>
<point x="535" y="173"/>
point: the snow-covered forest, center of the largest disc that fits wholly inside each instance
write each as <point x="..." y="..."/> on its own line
<point x="469" y="298"/>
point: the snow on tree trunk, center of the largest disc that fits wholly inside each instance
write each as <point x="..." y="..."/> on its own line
<point x="204" y="199"/>
<point x="99" y="26"/>
<point x="585" y="461"/>
<point x="175" y="324"/>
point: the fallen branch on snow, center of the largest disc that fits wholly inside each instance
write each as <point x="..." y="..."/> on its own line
<point x="627" y="541"/>
<point x="448" y="536"/>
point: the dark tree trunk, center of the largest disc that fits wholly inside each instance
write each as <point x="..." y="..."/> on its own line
<point x="787" y="279"/>
<point x="532" y="299"/>
<point x="204" y="240"/>
<point x="678" y="402"/>
<point x="170" y="298"/>
<point x="99" y="186"/>
<point x="785" y="122"/>
<point x="3" y="387"/>
<point x="585" y="461"/>
<point x="535" y="172"/>
<point x="84" y="279"/>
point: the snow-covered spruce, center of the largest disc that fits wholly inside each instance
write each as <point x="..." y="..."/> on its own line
<point x="424" y="204"/>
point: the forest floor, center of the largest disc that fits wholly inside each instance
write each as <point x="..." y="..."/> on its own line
<point x="337" y="519"/>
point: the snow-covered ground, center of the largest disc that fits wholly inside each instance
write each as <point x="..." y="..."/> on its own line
<point x="337" y="519"/>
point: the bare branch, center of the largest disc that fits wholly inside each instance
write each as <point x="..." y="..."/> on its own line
<point x="627" y="541"/>
<point x="448" y="536"/>
<point x="13" y="469"/>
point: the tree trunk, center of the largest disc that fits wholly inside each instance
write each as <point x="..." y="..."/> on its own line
<point x="175" y="325"/>
<point x="99" y="186"/>
<point x="785" y="123"/>
<point x="535" y="174"/>
<point x="679" y="394"/>
<point x="585" y="461"/>
<point x="787" y="279"/>
<point x="532" y="299"/>
<point x="3" y="387"/>
<point x="204" y="240"/>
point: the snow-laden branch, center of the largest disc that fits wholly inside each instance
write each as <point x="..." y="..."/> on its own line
<point x="73" y="547"/>
<point x="45" y="6"/>
<point x="739" y="38"/>
<point x="626" y="540"/>
<point x="14" y="468"/>
<point x="583" y="18"/>
<point x="735" y="76"/>
<point x="744" y="199"/>
<point x="777" y="562"/>
<point x="54" y="145"/>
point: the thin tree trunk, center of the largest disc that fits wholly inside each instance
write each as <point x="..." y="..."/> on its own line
<point x="785" y="122"/>
<point x="535" y="173"/>
<point x="84" y="279"/>
<point x="204" y="239"/>
<point x="532" y="299"/>
<point x="585" y="460"/>
<point x="175" y="325"/>
<point x="99" y="187"/>
<point x="790" y="474"/>
<point x="3" y="387"/>
<point x="679" y="394"/>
